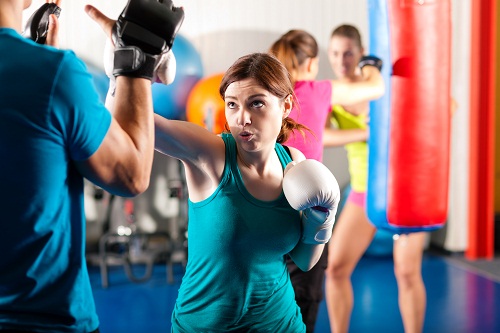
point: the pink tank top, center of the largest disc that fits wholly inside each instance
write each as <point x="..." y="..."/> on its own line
<point x="314" y="99"/>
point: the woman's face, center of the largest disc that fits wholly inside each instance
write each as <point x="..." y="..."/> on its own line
<point x="344" y="55"/>
<point x="254" y="115"/>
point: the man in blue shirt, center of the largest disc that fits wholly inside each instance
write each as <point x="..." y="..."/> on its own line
<point x="54" y="132"/>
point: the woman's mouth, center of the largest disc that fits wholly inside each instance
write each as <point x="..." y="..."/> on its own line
<point x="246" y="136"/>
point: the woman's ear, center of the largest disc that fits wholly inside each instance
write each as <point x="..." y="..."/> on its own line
<point x="287" y="106"/>
<point x="312" y="64"/>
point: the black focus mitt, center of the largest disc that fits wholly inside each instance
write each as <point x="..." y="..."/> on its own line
<point x="38" y="24"/>
<point x="144" y="30"/>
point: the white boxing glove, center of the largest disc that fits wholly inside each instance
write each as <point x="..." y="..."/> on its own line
<point x="165" y="69"/>
<point x="310" y="187"/>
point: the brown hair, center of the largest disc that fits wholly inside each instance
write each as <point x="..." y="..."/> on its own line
<point x="270" y="74"/>
<point x="293" y="48"/>
<point x="348" y="31"/>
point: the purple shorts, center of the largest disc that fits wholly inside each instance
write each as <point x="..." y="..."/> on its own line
<point x="357" y="198"/>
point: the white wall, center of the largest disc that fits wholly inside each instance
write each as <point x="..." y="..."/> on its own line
<point x="454" y="236"/>
<point x="222" y="30"/>
<point x="219" y="17"/>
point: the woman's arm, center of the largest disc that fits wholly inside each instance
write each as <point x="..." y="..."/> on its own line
<point x="184" y="140"/>
<point x="305" y="256"/>
<point x="201" y="151"/>
<point x="296" y="154"/>
<point x="333" y="137"/>
<point x="369" y="88"/>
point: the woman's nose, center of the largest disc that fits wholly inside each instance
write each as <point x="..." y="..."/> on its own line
<point x="244" y="117"/>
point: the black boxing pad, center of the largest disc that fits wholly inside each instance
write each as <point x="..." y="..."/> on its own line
<point x="150" y="25"/>
<point x="38" y="24"/>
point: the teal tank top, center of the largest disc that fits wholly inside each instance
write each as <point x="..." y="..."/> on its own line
<point x="236" y="278"/>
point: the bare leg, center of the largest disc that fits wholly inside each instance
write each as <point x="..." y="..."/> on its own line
<point x="352" y="234"/>
<point x="408" y="251"/>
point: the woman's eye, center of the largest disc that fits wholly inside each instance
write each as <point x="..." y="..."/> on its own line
<point x="257" y="104"/>
<point x="230" y="105"/>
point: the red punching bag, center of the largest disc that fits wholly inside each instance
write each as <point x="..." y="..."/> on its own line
<point x="418" y="165"/>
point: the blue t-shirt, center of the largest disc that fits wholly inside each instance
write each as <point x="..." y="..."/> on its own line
<point x="236" y="278"/>
<point x="50" y="116"/>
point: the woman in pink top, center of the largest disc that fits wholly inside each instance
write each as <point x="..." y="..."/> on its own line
<point x="298" y="51"/>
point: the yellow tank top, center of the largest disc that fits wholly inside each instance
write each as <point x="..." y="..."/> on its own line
<point x="357" y="152"/>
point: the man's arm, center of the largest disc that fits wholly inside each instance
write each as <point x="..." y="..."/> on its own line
<point x="122" y="164"/>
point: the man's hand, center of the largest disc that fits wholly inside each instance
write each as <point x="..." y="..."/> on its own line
<point x="43" y="26"/>
<point x="144" y="31"/>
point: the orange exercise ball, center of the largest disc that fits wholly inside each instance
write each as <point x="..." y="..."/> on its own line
<point x="204" y="106"/>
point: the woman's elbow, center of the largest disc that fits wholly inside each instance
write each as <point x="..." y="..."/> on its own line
<point x="306" y="267"/>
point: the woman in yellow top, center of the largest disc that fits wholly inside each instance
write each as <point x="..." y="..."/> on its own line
<point x="353" y="232"/>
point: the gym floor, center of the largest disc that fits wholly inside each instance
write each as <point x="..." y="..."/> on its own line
<point x="462" y="297"/>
